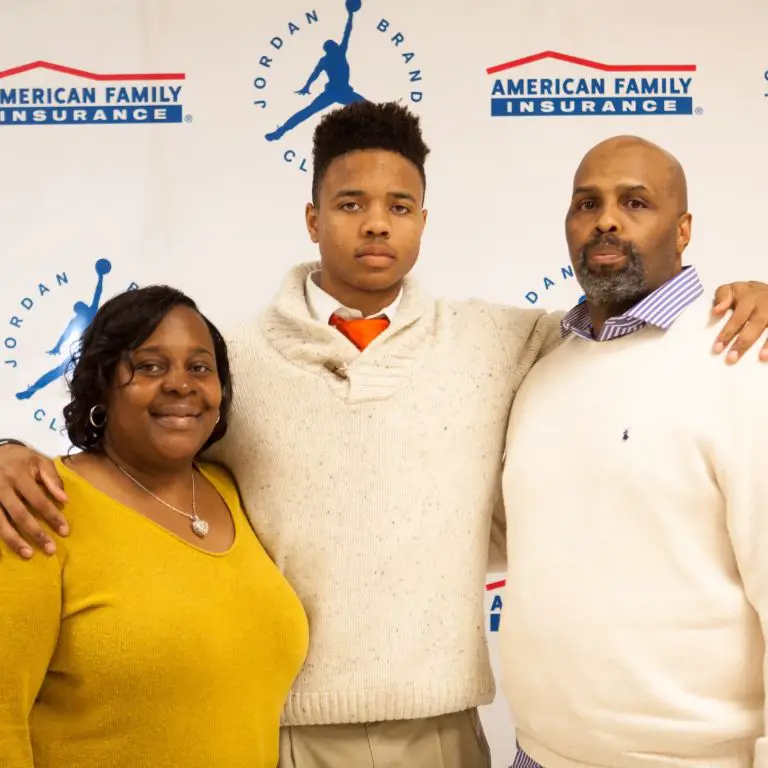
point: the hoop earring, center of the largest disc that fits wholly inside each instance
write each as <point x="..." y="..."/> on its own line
<point x="96" y="411"/>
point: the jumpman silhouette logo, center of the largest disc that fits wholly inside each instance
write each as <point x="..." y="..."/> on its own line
<point x="337" y="90"/>
<point x="84" y="313"/>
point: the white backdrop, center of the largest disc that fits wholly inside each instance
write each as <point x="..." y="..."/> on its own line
<point x="201" y="200"/>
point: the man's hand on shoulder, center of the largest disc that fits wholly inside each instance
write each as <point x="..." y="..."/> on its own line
<point x="29" y="485"/>
<point x="749" y="302"/>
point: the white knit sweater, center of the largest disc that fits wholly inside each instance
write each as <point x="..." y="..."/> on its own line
<point x="637" y="483"/>
<point x="371" y="478"/>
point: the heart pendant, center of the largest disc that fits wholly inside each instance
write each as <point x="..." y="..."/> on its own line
<point x="200" y="527"/>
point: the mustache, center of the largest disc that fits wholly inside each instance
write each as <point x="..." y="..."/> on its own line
<point x="608" y="241"/>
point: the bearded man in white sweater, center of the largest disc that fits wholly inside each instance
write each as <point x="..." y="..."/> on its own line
<point x="366" y="437"/>
<point x="636" y="481"/>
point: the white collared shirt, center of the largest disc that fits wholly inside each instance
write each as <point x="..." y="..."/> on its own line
<point x="322" y="305"/>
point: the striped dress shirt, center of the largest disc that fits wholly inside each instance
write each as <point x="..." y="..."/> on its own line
<point x="660" y="309"/>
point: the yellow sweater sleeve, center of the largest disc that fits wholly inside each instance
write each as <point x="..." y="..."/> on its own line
<point x="30" y="614"/>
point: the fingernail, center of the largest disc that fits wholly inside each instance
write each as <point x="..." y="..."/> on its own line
<point x="64" y="530"/>
<point x="719" y="347"/>
<point x="733" y="356"/>
<point x="49" y="548"/>
<point x="26" y="553"/>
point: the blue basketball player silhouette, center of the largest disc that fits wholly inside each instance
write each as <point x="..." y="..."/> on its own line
<point x="84" y="313"/>
<point x="337" y="90"/>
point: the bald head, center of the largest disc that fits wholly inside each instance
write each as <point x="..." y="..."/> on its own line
<point x="650" y="160"/>
<point x="628" y="222"/>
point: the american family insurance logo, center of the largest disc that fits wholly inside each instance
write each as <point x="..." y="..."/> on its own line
<point x="494" y="613"/>
<point x="534" y="86"/>
<point x="42" y="93"/>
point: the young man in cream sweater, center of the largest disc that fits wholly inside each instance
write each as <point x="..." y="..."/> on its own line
<point x="366" y="437"/>
<point x="637" y="482"/>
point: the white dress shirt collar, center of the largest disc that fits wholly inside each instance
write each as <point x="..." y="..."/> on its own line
<point x="322" y="305"/>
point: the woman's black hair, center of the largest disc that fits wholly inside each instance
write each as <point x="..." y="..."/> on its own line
<point x="123" y="324"/>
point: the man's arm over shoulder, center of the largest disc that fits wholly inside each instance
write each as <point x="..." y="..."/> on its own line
<point x="29" y="486"/>
<point x="526" y="335"/>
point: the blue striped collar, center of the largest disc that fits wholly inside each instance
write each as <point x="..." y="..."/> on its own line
<point x="660" y="309"/>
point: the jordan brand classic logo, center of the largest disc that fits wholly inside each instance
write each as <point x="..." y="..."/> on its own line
<point x="33" y="312"/>
<point x="335" y="65"/>
<point x="83" y="314"/>
<point x="554" y="277"/>
<point x="378" y="57"/>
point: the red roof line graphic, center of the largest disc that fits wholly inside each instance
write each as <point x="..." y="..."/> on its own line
<point x="495" y="585"/>
<point x="87" y="75"/>
<point x="592" y="64"/>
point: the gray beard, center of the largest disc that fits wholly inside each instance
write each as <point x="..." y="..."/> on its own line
<point x="606" y="286"/>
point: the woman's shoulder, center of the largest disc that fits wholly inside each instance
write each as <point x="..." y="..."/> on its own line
<point x="87" y="506"/>
<point x="77" y="487"/>
<point x="221" y="479"/>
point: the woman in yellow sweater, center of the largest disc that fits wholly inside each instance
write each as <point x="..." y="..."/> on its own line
<point x="161" y="634"/>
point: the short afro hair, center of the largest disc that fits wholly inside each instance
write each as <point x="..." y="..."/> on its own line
<point x="123" y="324"/>
<point x="367" y="125"/>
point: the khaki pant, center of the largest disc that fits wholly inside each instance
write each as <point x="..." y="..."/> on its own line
<point x="449" y="741"/>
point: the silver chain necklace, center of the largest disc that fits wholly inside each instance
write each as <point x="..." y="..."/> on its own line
<point x="199" y="526"/>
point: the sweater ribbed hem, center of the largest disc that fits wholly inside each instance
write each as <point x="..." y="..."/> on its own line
<point x="375" y="705"/>
<point x="546" y="757"/>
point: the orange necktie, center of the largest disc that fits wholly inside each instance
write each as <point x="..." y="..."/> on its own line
<point x="362" y="331"/>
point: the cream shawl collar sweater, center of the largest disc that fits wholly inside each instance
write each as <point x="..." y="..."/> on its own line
<point x="634" y="635"/>
<point x="372" y="479"/>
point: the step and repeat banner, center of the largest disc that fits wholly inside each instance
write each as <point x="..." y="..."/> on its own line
<point x="169" y="141"/>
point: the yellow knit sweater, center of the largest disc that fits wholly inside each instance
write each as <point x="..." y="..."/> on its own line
<point x="132" y="648"/>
